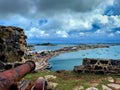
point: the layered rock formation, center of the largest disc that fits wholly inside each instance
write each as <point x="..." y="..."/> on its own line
<point x="12" y="44"/>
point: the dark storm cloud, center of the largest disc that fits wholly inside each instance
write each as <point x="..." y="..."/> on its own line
<point x="56" y="6"/>
<point x="13" y="7"/>
<point x="44" y="7"/>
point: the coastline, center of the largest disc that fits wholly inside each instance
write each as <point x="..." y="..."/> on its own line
<point x="41" y="58"/>
<point x="71" y="78"/>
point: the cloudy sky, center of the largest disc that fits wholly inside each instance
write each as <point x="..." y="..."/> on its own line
<point x="70" y="21"/>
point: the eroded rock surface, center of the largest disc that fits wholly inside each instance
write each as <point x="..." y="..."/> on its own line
<point x="12" y="44"/>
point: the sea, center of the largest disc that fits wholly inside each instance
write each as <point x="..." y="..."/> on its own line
<point x="67" y="61"/>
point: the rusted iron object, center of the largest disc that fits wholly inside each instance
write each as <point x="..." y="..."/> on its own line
<point x="9" y="77"/>
<point x="39" y="84"/>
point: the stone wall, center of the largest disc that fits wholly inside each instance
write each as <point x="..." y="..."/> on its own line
<point x="12" y="44"/>
<point x="97" y="65"/>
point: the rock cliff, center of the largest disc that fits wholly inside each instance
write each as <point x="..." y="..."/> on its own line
<point x="12" y="44"/>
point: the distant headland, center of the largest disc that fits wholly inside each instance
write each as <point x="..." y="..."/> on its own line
<point x="45" y="44"/>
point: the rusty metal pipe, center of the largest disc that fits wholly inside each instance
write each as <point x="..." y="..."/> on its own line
<point x="40" y="84"/>
<point x="9" y="77"/>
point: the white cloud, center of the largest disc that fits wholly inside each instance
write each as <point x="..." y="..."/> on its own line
<point x="76" y="23"/>
<point x="106" y="23"/>
<point x="79" y="22"/>
<point x="111" y="35"/>
<point x="67" y="19"/>
<point x="62" y="34"/>
<point x="36" y="33"/>
<point x="103" y="19"/>
<point x="82" y="34"/>
<point x="100" y="32"/>
<point x="115" y="20"/>
<point x="117" y="32"/>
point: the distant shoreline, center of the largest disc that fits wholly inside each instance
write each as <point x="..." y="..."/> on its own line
<point x="71" y="43"/>
<point x="41" y="44"/>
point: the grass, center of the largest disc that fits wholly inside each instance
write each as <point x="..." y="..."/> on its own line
<point x="67" y="80"/>
<point x="34" y="76"/>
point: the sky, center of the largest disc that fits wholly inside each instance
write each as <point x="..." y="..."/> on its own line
<point x="64" y="21"/>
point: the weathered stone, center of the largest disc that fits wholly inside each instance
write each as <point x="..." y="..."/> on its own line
<point x="104" y="87"/>
<point x="92" y="88"/>
<point x="52" y="84"/>
<point x="94" y="83"/>
<point x="117" y="81"/>
<point x="110" y="79"/>
<point x="99" y="66"/>
<point x="12" y="41"/>
<point x="114" y="86"/>
<point x="47" y="77"/>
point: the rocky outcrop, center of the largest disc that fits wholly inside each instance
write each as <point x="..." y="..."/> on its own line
<point x="12" y="44"/>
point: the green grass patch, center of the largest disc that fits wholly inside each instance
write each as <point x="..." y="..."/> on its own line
<point x="34" y="76"/>
<point x="67" y="80"/>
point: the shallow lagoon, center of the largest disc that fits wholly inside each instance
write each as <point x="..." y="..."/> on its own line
<point x="67" y="61"/>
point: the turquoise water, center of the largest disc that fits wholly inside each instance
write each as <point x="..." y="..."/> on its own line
<point x="67" y="61"/>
